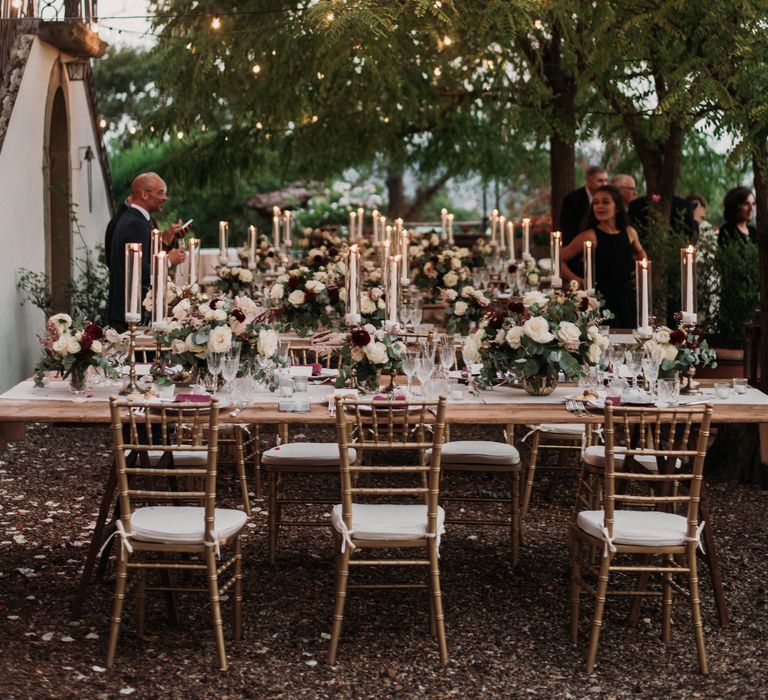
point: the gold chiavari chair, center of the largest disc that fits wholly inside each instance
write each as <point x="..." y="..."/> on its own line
<point x="378" y="431"/>
<point x="308" y="356"/>
<point x="649" y="513"/>
<point x="180" y="519"/>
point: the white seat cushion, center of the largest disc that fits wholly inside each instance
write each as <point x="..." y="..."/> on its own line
<point x="478" y="452"/>
<point x="595" y="456"/>
<point x="637" y="527"/>
<point x="570" y="431"/>
<point x="181" y="458"/>
<point x="295" y="454"/>
<point x="182" y="524"/>
<point x="378" y="521"/>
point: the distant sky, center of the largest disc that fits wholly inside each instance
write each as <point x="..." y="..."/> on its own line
<point x="123" y="23"/>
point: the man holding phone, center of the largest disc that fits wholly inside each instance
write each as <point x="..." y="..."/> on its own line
<point x="133" y="223"/>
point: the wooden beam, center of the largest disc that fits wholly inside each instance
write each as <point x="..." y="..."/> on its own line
<point x="74" y="38"/>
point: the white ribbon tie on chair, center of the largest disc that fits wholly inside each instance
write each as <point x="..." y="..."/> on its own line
<point x="346" y="536"/>
<point x="608" y="545"/>
<point x="122" y="534"/>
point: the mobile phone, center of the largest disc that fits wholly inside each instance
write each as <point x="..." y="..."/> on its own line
<point x="185" y="226"/>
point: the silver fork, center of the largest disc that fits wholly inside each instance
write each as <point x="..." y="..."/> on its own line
<point x="576" y="407"/>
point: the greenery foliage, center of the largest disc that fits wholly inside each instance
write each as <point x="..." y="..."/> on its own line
<point x="739" y="293"/>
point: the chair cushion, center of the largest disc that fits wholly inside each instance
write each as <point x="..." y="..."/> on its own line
<point x="181" y="458"/>
<point x="637" y="527"/>
<point x="478" y="452"/>
<point x="183" y="524"/>
<point x="318" y="454"/>
<point x="595" y="456"/>
<point x="569" y="431"/>
<point x="378" y="521"/>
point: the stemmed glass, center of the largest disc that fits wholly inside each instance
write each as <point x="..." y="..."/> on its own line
<point x="634" y="362"/>
<point x="406" y="314"/>
<point x="651" y="373"/>
<point x="417" y="314"/>
<point x="425" y="365"/>
<point x="447" y="353"/>
<point x="284" y="352"/>
<point x="410" y="360"/>
<point x="215" y="362"/>
<point x="230" y="365"/>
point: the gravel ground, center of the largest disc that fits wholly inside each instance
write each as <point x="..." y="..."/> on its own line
<point x="507" y="631"/>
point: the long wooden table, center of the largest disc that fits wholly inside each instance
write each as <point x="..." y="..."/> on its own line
<point x="513" y="408"/>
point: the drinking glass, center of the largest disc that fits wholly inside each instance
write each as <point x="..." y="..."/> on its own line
<point x="215" y="361"/>
<point x="447" y="355"/>
<point x="417" y="314"/>
<point x="406" y="313"/>
<point x="668" y="392"/>
<point x="410" y="359"/>
<point x="229" y="367"/>
<point x="651" y="373"/>
<point x="425" y="365"/>
<point x="284" y="351"/>
<point x="634" y="362"/>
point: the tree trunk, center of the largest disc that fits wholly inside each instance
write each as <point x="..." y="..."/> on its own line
<point x="424" y="195"/>
<point x="562" y="164"/>
<point x="395" y="193"/>
<point x="760" y="168"/>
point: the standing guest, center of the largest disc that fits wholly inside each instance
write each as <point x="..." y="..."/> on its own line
<point x="698" y="206"/>
<point x="133" y="223"/>
<point x="680" y="216"/>
<point x="625" y="184"/>
<point x="575" y="208"/>
<point x="706" y="250"/>
<point x="617" y="246"/>
<point x="738" y="210"/>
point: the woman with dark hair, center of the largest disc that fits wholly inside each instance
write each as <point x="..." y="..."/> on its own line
<point x="738" y="208"/>
<point x="617" y="246"/>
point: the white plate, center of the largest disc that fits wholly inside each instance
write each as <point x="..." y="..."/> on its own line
<point x="581" y="397"/>
<point x="329" y="372"/>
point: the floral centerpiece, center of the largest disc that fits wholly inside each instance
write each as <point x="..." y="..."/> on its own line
<point x="304" y="299"/>
<point x="266" y="256"/>
<point x="373" y="306"/>
<point x="544" y="334"/>
<point x="233" y="280"/>
<point x="527" y="272"/>
<point x="72" y="346"/>
<point x="680" y="351"/>
<point x="366" y="354"/>
<point x="447" y="268"/>
<point x="465" y="308"/>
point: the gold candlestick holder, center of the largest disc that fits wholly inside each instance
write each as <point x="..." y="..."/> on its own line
<point x="132" y="388"/>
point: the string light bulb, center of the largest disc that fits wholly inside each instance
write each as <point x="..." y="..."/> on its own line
<point x="216" y="22"/>
<point x="256" y="69"/>
<point x="330" y="17"/>
<point x="447" y="41"/>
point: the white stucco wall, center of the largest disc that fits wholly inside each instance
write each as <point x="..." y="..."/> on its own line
<point x="22" y="202"/>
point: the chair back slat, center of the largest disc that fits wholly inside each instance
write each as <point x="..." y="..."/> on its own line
<point x="676" y="438"/>
<point x="140" y="428"/>
<point x="377" y="429"/>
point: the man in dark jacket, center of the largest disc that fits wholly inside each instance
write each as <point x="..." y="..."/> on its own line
<point x="680" y="217"/>
<point x="133" y="223"/>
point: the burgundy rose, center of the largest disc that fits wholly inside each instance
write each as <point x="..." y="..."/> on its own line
<point x="434" y="259"/>
<point x="294" y="282"/>
<point x="333" y="294"/>
<point x="238" y="315"/>
<point x="309" y="296"/>
<point x="85" y="342"/>
<point x="584" y="305"/>
<point x="333" y="251"/>
<point x="512" y="269"/>
<point x="271" y="254"/>
<point x="495" y="320"/>
<point x="93" y="330"/>
<point x="516" y="307"/>
<point x="677" y="337"/>
<point x="360" y="337"/>
<point x="318" y="260"/>
<point x="212" y="304"/>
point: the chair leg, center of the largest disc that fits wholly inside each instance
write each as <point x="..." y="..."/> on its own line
<point x="534" y="455"/>
<point x="342" y="578"/>
<point x="117" y="609"/>
<point x="515" y="504"/>
<point x="238" y="603"/>
<point x="240" y="466"/>
<point x="141" y="599"/>
<point x="575" y="587"/>
<point x="698" y="630"/>
<point x="437" y="600"/>
<point x="213" y="592"/>
<point x="666" y="601"/>
<point x="597" y="622"/>
<point x="273" y="522"/>
<point x="254" y="447"/>
<point x="640" y="585"/>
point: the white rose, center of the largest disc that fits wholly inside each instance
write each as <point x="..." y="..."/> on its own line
<point x="297" y="297"/>
<point x="74" y="347"/>
<point x="669" y="352"/>
<point x="220" y="339"/>
<point x="460" y="308"/>
<point x="342" y="294"/>
<point x="219" y="315"/>
<point x="455" y="264"/>
<point x="267" y="344"/>
<point x="181" y="310"/>
<point x="178" y="346"/>
<point x="276" y="292"/>
<point x="96" y="347"/>
<point x="661" y="335"/>
<point x="367" y="305"/>
<point x="381" y="304"/>
<point x="594" y="353"/>
<point x="282" y="279"/>
<point x="147" y="303"/>
<point x="61" y="345"/>
<point x="112" y="335"/>
<point x="314" y="286"/>
<point x="321" y="276"/>
<point x="376" y="293"/>
<point x="533" y="278"/>
<point x="248" y="307"/>
<point x="537" y="329"/>
<point x="534" y="297"/>
<point x="370" y="328"/>
<point x="61" y="320"/>
<point x="376" y="353"/>
<point x="246" y="275"/>
<point x="471" y="349"/>
<point x="593" y="333"/>
<point x="568" y="334"/>
<point x="449" y="294"/>
<point x="514" y="336"/>
<point x="450" y="279"/>
<point x="467" y="291"/>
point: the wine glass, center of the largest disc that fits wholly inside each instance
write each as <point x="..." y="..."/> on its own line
<point x="417" y="314"/>
<point x="284" y="351"/>
<point x="651" y="373"/>
<point x="447" y="354"/>
<point x="634" y="362"/>
<point x="425" y="365"/>
<point x="406" y="312"/>
<point x="230" y="365"/>
<point x="215" y="362"/>
<point x="409" y="367"/>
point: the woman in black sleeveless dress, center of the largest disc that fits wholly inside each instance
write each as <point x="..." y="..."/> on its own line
<point x="617" y="246"/>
